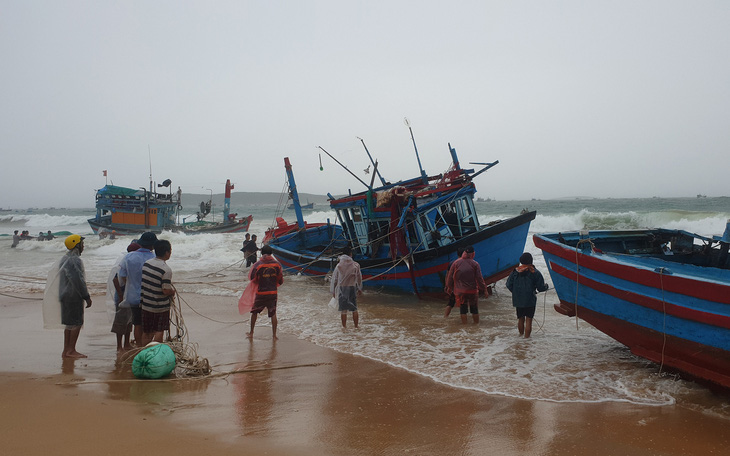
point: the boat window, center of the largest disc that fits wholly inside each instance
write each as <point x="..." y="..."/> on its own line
<point x="466" y="213"/>
<point x="356" y="214"/>
<point x="431" y="235"/>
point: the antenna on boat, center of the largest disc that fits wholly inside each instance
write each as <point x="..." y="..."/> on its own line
<point x="373" y="163"/>
<point x="343" y="166"/>
<point x="149" y="155"/>
<point x="424" y="177"/>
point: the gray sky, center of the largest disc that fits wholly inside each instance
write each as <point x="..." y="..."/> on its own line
<point x="574" y="98"/>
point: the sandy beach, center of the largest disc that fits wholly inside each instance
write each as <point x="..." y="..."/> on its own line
<point x="291" y="397"/>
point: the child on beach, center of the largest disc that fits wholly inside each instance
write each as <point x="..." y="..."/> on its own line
<point x="268" y="275"/>
<point x="156" y="293"/>
<point x="346" y="284"/>
<point x="524" y="283"/>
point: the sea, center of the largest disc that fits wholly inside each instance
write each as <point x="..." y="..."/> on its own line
<point x="564" y="361"/>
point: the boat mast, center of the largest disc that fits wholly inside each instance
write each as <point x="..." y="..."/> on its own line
<point x="374" y="164"/>
<point x="293" y="192"/>
<point x="344" y="167"/>
<point x="227" y="201"/>
<point x="424" y="177"/>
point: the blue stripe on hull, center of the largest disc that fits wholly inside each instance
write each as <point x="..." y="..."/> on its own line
<point x="606" y="304"/>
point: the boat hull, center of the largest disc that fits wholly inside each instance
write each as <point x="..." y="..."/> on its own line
<point x="240" y="225"/>
<point x="497" y="249"/>
<point x="672" y="313"/>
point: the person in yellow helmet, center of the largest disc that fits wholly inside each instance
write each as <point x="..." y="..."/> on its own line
<point x="66" y="292"/>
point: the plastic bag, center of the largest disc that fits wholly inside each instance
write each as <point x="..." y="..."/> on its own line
<point x="245" y="304"/>
<point x="333" y="304"/>
<point x="155" y="361"/>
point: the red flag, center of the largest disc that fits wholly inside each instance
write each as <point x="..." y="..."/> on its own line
<point x="104" y="173"/>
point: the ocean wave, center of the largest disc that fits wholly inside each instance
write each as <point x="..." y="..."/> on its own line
<point x="705" y="223"/>
<point x="47" y="221"/>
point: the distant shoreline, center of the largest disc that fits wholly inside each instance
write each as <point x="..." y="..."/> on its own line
<point x="273" y="198"/>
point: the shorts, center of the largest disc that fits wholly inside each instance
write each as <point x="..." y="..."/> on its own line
<point x="122" y="320"/>
<point x="452" y="300"/>
<point x="136" y="315"/>
<point x="467" y="302"/>
<point x="153" y="322"/>
<point x="347" y="300"/>
<point x="265" y="302"/>
<point x="72" y="313"/>
<point x="528" y="312"/>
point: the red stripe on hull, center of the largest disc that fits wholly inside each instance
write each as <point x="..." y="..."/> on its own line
<point x="682" y="285"/>
<point x="698" y="361"/>
<point x="685" y="313"/>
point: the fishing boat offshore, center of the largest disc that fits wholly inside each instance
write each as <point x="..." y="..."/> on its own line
<point x="404" y="235"/>
<point x="123" y="211"/>
<point x="663" y="293"/>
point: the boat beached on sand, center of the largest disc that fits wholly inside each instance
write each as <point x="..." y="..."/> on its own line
<point x="122" y="210"/>
<point x="663" y="293"/>
<point x="404" y="235"/>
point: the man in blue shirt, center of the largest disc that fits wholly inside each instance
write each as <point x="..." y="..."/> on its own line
<point x="130" y="276"/>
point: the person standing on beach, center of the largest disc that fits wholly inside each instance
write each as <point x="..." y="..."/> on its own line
<point x="16" y="239"/>
<point x="250" y="251"/>
<point x="157" y="292"/>
<point x="122" y="323"/>
<point x="346" y="284"/>
<point x="72" y="293"/>
<point x="452" y="297"/>
<point x="130" y="276"/>
<point x="466" y="282"/>
<point x="524" y="282"/>
<point x="268" y="275"/>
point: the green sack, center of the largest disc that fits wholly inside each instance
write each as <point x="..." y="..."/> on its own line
<point x="154" y="362"/>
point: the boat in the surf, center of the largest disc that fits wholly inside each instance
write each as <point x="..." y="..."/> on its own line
<point x="663" y="293"/>
<point x="404" y="235"/>
<point x="129" y="211"/>
<point x="304" y="207"/>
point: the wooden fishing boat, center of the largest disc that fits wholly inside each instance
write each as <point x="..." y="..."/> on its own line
<point x="404" y="235"/>
<point x="305" y="207"/>
<point x="663" y="293"/>
<point x="123" y="211"/>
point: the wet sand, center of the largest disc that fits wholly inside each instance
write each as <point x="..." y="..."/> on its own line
<point x="291" y="397"/>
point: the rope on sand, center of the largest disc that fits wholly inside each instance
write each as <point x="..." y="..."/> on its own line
<point x="175" y="379"/>
<point x="21" y="297"/>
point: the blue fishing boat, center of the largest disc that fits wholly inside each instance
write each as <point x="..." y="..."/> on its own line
<point x="663" y="293"/>
<point x="123" y="211"/>
<point x="404" y="235"/>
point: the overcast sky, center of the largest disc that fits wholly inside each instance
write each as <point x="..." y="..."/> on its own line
<point x="574" y="98"/>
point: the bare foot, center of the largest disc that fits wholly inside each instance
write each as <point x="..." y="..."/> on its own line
<point x="249" y="335"/>
<point x="74" y="354"/>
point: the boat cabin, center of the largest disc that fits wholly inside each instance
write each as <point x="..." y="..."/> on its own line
<point x="428" y="220"/>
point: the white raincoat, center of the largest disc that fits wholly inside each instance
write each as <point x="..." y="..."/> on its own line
<point x="346" y="282"/>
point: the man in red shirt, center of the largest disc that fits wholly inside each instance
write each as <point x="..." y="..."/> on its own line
<point x="267" y="274"/>
<point x="466" y="282"/>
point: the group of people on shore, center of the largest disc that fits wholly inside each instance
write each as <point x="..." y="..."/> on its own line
<point x="464" y="284"/>
<point x="25" y="236"/>
<point x="142" y="293"/>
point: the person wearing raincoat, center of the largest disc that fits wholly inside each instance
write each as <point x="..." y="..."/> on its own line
<point x="63" y="300"/>
<point x="346" y="284"/>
